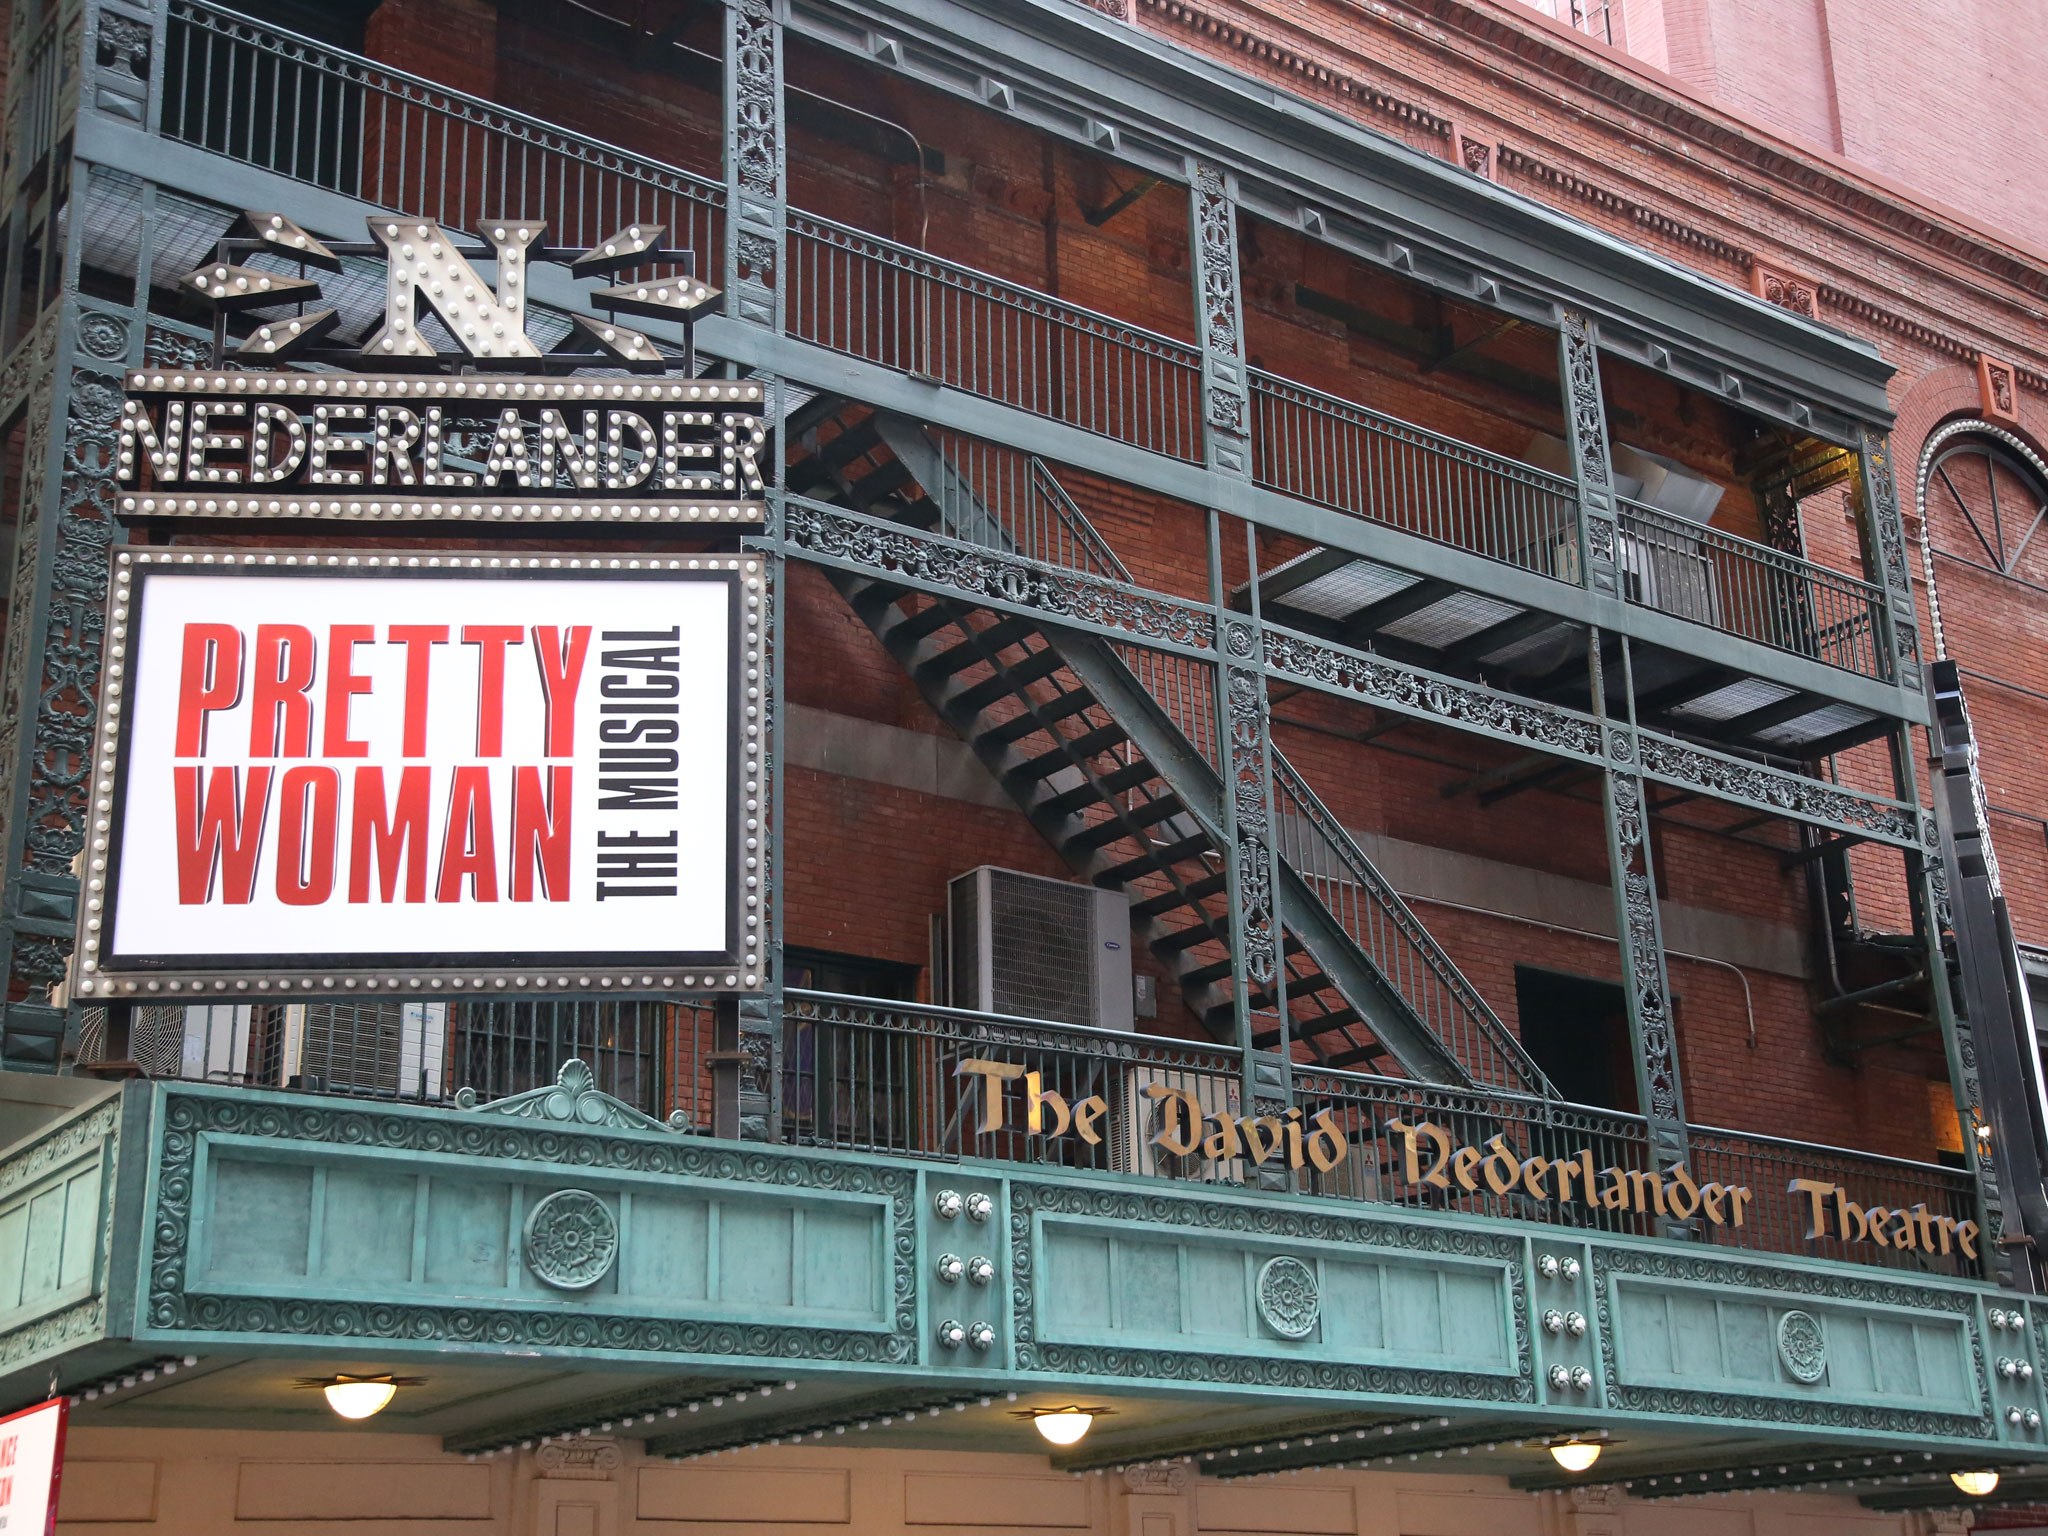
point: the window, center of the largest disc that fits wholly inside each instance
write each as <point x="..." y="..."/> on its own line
<point x="1592" y="17"/>
<point x="1577" y="1029"/>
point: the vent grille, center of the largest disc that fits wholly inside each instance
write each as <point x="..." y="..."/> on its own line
<point x="354" y="1046"/>
<point x="1041" y="948"/>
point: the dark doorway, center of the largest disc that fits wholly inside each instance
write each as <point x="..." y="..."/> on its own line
<point x="1577" y="1029"/>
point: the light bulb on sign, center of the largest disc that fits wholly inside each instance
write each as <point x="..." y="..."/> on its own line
<point x="1575" y="1455"/>
<point x="1976" y="1484"/>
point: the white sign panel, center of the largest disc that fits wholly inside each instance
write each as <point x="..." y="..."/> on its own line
<point x="411" y="773"/>
<point x="31" y="1462"/>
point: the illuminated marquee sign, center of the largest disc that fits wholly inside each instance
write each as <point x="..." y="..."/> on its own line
<point x="414" y="773"/>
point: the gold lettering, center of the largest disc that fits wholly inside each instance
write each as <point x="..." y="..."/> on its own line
<point x="1501" y="1167"/>
<point x="1850" y="1218"/>
<point x="1262" y="1136"/>
<point x="1680" y="1187"/>
<point x="1180" y="1119"/>
<point x="1535" y="1170"/>
<point x="993" y="1075"/>
<point x="1439" y="1145"/>
<point x="1039" y="1098"/>
<point x="1710" y="1204"/>
<point x="1326" y="1144"/>
<point x="1816" y="1192"/>
<point x="1224" y="1143"/>
<point x="1088" y="1114"/>
<point x="1293" y="1130"/>
<point x="1465" y="1167"/>
<point x="1640" y="1181"/>
<point x="1966" y="1237"/>
<point x="1614" y="1195"/>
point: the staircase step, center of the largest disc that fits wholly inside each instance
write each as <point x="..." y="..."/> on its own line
<point x="1010" y="678"/>
<point x="997" y="637"/>
<point x="1032" y="721"/>
<point x="1130" y="776"/>
<point x="1102" y="833"/>
<point x="885" y="480"/>
<point x="1327" y="1024"/>
<point x="1071" y="748"/>
<point x="850" y="445"/>
<point x="1153" y="859"/>
<point x="1172" y="901"/>
<point x="913" y="627"/>
<point x="1211" y="931"/>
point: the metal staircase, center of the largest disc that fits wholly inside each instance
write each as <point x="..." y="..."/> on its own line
<point x="1110" y="750"/>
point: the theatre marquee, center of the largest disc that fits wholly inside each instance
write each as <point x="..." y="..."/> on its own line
<point x="411" y="773"/>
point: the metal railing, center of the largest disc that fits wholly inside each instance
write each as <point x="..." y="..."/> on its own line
<point x="287" y="104"/>
<point x="1339" y="454"/>
<point x="1750" y="590"/>
<point x="859" y="294"/>
<point x="1313" y="843"/>
<point x="1003" y="498"/>
<point x="654" y="1056"/>
<point x="866" y="1075"/>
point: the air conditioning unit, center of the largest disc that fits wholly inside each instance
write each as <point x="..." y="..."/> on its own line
<point x="1040" y="949"/>
<point x="392" y="1048"/>
<point x="1144" y="1116"/>
<point x="1674" y="573"/>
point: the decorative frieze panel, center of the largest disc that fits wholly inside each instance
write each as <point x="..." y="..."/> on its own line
<point x="1219" y="322"/>
<point x="56" y="1237"/>
<point x="754" y="156"/>
<point x="298" y="1218"/>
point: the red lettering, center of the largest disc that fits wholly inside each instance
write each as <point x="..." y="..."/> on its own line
<point x="401" y="834"/>
<point x="211" y="679"/>
<point x="561" y="673"/>
<point x="491" y="641"/>
<point x="418" y="640"/>
<point x="283" y="674"/>
<point x="343" y="684"/>
<point x="218" y="836"/>
<point x="469" y="847"/>
<point x="305" y="835"/>
<point x="540" y="833"/>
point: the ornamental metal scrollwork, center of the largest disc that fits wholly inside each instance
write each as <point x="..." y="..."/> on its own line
<point x="572" y="1099"/>
<point x="1803" y="1346"/>
<point x="1215" y="225"/>
<point x="1881" y="507"/>
<point x="1412" y="691"/>
<point x="571" y="1240"/>
<point x="1290" y="1302"/>
<point x="1643" y="951"/>
<point x="1588" y="418"/>
<point x="1246" y="702"/>
<point x="1807" y="799"/>
<point x="757" y="133"/>
<point x="972" y="570"/>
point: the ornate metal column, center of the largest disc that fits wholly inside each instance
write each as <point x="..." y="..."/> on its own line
<point x="1884" y="554"/>
<point x="1244" y="745"/>
<point x="63" y="373"/>
<point x="1219" y="320"/>
<point x="756" y="150"/>
<point x="1645" y="985"/>
<point x="1585" y="430"/>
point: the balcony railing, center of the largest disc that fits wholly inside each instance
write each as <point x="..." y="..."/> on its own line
<point x="874" y="299"/>
<point x="863" y="1075"/>
<point x="1750" y="590"/>
<point x="286" y="104"/>
<point x="1337" y="454"/>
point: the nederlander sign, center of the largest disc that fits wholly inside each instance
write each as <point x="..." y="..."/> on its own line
<point x="1430" y="1158"/>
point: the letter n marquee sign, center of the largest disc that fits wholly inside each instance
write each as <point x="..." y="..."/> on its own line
<point x="423" y="772"/>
